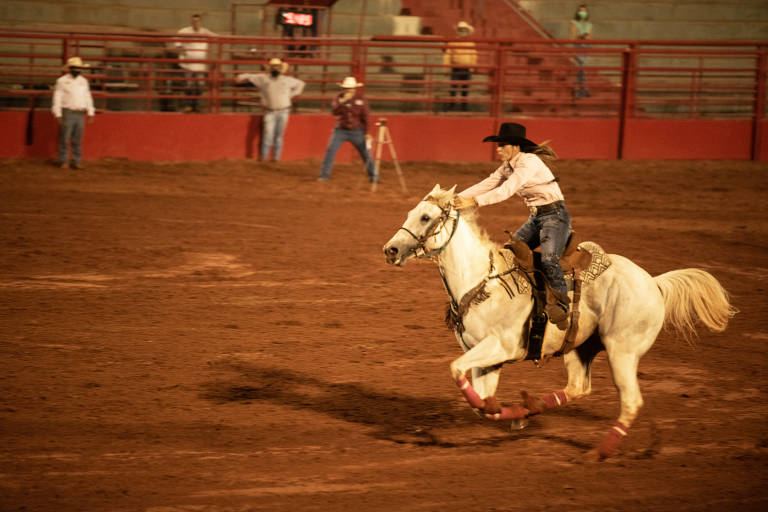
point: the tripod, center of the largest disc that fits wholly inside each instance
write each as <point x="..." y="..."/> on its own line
<point x="383" y="138"/>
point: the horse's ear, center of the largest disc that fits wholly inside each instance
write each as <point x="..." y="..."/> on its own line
<point x="436" y="189"/>
<point x="452" y="191"/>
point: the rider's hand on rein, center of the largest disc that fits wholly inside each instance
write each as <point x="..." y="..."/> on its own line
<point x="461" y="203"/>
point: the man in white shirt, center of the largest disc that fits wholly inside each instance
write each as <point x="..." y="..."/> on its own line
<point x="194" y="72"/>
<point x="72" y="101"/>
<point x="277" y="90"/>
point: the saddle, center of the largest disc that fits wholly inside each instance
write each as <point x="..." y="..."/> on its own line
<point x="573" y="261"/>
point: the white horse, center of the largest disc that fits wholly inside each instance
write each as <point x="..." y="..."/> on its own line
<point x="622" y="312"/>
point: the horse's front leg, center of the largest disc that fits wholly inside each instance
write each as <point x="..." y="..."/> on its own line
<point x="485" y="360"/>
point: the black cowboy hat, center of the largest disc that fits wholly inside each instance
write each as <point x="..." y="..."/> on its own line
<point x="510" y="133"/>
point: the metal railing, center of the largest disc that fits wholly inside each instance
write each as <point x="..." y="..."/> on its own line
<point x="534" y="78"/>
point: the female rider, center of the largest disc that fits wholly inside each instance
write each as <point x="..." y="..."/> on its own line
<point x="523" y="172"/>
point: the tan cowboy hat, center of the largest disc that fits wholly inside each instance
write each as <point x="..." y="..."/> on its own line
<point x="463" y="25"/>
<point x="75" y="62"/>
<point x="350" y="82"/>
<point x="275" y="62"/>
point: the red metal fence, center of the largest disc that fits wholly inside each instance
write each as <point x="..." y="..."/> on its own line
<point x="532" y="79"/>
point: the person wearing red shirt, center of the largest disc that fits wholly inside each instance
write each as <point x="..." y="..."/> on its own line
<point x="352" y="111"/>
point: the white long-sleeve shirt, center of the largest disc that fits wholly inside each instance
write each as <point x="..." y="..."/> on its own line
<point x="194" y="49"/>
<point x="72" y="93"/>
<point x="526" y="175"/>
<point x="276" y="93"/>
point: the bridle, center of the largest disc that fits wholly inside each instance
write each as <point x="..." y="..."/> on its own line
<point x="432" y="231"/>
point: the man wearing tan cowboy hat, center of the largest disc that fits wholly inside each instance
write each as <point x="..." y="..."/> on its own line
<point x="72" y="101"/>
<point x="277" y="90"/>
<point x="462" y="57"/>
<point x="352" y="111"/>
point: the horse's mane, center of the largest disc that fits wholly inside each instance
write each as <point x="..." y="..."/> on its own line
<point x="471" y="217"/>
<point x="442" y="197"/>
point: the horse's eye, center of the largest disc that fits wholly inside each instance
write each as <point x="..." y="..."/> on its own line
<point x="425" y="218"/>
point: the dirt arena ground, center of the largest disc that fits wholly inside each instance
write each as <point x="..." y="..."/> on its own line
<point x="226" y="337"/>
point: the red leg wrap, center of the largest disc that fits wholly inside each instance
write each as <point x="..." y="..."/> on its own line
<point x="470" y="394"/>
<point x="491" y="409"/>
<point x="515" y="412"/>
<point x="555" y="399"/>
<point x="537" y="405"/>
<point x="611" y="442"/>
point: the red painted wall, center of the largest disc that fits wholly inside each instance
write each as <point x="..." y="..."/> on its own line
<point x="169" y="136"/>
<point x="687" y="139"/>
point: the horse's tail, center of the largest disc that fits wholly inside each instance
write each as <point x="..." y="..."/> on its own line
<point x="693" y="296"/>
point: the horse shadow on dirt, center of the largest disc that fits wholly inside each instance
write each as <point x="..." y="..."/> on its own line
<point x="394" y="417"/>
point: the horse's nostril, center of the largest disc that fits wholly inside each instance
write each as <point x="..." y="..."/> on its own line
<point x="392" y="250"/>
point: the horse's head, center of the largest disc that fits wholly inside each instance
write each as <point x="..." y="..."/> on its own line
<point x="424" y="230"/>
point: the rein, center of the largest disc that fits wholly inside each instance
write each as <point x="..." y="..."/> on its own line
<point x="422" y="240"/>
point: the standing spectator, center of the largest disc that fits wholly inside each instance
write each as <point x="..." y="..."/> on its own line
<point x="353" y="111"/>
<point x="277" y="90"/>
<point x="581" y="28"/>
<point x="462" y="57"/>
<point x="72" y="100"/>
<point x="194" y="72"/>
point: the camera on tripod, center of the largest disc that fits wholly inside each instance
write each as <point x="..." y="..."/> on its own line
<point x="381" y="122"/>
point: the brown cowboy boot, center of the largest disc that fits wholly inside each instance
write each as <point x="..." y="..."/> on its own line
<point x="557" y="308"/>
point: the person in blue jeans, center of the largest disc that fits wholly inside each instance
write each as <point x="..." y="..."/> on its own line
<point x="353" y="112"/>
<point x="524" y="172"/>
<point x="581" y="28"/>
<point x="277" y="91"/>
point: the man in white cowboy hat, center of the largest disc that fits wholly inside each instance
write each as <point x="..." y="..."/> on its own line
<point x="352" y="111"/>
<point x="461" y="56"/>
<point x="277" y="90"/>
<point x="72" y="101"/>
<point x="194" y="72"/>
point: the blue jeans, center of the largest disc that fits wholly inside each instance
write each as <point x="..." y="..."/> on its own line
<point x="71" y="130"/>
<point x="273" y="127"/>
<point x="193" y="88"/>
<point x="581" y="91"/>
<point x="339" y="137"/>
<point x="550" y="230"/>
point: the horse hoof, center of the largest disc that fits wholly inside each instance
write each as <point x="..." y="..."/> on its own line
<point x="610" y="445"/>
<point x="518" y="424"/>
<point x="593" y="456"/>
<point x="533" y="403"/>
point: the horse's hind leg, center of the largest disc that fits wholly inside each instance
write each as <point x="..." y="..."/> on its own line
<point x="578" y="364"/>
<point x="624" y="368"/>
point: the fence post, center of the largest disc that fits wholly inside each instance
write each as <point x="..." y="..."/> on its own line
<point x="64" y="50"/>
<point x="627" y="97"/>
<point x="498" y="86"/>
<point x="150" y="84"/>
<point x="760" y="91"/>
<point x="356" y="68"/>
<point x="215" y="84"/>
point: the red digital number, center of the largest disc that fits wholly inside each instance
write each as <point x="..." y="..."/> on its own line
<point x="295" y="18"/>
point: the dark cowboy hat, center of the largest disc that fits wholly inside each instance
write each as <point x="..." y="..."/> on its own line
<point x="510" y="133"/>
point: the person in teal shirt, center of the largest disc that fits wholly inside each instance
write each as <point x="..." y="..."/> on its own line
<point x="581" y="28"/>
